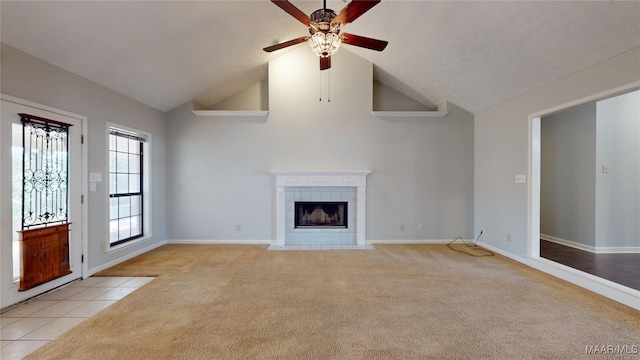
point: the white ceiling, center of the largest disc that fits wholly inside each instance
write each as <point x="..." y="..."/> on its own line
<point x="474" y="54"/>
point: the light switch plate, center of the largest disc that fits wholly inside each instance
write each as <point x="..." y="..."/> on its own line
<point x="95" y="177"/>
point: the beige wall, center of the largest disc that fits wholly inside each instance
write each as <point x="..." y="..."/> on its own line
<point x="218" y="169"/>
<point x="28" y="78"/>
<point x="502" y="147"/>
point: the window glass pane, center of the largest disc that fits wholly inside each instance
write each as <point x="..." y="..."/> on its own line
<point x="122" y="162"/>
<point x="112" y="142"/>
<point x="44" y="150"/>
<point x="134" y="146"/>
<point x="124" y="207"/>
<point x="122" y="144"/>
<point x="113" y="208"/>
<point x="134" y="183"/>
<point x="112" y="161"/>
<point x="122" y="183"/>
<point x="136" y="225"/>
<point x="113" y="231"/>
<point x="134" y="164"/>
<point x="112" y="183"/>
<point x="124" y="230"/>
<point x="136" y="209"/>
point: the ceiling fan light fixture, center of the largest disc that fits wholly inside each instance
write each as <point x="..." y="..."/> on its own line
<point x="324" y="27"/>
<point x="325" y="44"/>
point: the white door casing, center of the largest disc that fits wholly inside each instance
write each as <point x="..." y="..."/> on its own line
<point x="10" y="109"/>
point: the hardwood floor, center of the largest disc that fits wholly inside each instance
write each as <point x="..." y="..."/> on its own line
<point x="623" y="269"/>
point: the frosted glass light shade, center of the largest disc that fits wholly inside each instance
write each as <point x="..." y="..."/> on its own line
<point x="324" y="44"/>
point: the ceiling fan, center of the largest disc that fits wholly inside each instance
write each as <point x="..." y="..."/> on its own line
<point x="324" y="29"/>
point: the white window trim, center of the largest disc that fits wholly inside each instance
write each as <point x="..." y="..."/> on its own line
<point x="147" y="207"/>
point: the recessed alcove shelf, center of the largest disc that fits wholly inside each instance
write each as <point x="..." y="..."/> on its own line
<point x="410" y="114"/>
<point x="250" y="103"/>
<point x="392" y="104"/>
<point x="231" y="113"/>
<point x="440" y="112"/>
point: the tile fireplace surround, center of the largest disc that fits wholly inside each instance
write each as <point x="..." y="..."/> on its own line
<point x="321" y="185"/>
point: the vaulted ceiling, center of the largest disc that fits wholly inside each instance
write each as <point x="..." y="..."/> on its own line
<point x="474" y="54"/>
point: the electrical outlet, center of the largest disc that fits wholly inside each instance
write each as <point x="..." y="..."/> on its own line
<point x="401" y="227"/>
<point x="421" y="227"/>
<point x="103" y="247"/>
<point x="508" y="236"/>
<point x="238" y="227"/>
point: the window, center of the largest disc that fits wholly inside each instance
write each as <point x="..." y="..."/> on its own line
<point x="126" y="185"/>
<point x="45" y="164"/>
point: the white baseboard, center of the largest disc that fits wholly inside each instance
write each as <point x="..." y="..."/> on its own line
<point x="269" y="242"/>
<point x="616" y="292"/>
<point x="617" y="249"/>
<point x="218" y="241"/>
<point x="124" y="258"/>
<point x="591" y="249"/>
<point x="410" y="241"/>
<point x="569" y="243"/>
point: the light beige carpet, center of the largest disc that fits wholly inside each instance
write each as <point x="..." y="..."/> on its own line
<point x="394" y="302"/>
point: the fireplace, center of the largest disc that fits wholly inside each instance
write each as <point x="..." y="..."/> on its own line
<point x="321" y="214"/>
<point x="345" y="187"/>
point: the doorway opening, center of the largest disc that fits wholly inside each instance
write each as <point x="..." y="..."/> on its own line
<point x="548" y="237"/>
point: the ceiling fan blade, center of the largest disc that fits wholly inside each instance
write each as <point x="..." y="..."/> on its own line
<point x="325" y="63"/>
<point x="365" y="42"/>
<point x="292" y="10"/>
<point x="353" y="11"/>
<point x="286" y="44"/>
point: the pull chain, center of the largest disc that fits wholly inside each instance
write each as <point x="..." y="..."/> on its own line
<point x="320" y="87"/>
<point x="329" y="87"/>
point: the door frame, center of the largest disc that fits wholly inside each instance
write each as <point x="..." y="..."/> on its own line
<point x="84" y="212"/>
<point x="590" y="282"/>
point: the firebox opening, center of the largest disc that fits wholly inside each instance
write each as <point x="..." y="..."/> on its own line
<point x="321" y="214"/>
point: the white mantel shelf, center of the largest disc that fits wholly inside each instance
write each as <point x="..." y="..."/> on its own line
<point x="322" y="178"/>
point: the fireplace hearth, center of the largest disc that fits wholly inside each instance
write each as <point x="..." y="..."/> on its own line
<point x="318" y="214"/>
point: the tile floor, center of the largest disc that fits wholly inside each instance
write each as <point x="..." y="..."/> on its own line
<point x="29" y="326"/>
